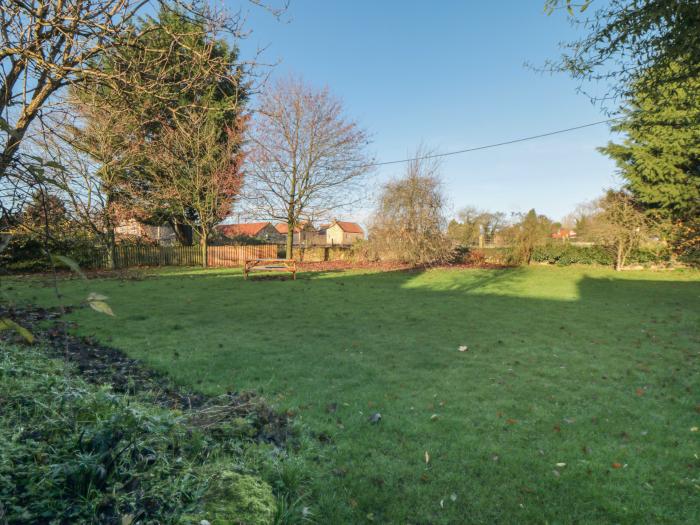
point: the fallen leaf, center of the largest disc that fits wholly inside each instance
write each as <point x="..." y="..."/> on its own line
<point x="9" y="324"/>
<point x="427" y="457"/>
<point x="639" y="392"/>
<point x="102" y="307"/>
<point x="511" y="421"/>
<point x="617" y="465"/>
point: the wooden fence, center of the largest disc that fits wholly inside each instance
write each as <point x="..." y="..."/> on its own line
<point x="218" y="256"/>
<point x="128" y="255"/>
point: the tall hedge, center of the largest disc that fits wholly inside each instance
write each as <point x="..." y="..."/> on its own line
<point x="566" y="254"/>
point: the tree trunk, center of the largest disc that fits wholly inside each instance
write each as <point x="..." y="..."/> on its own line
<point x="289" y="249"/>
<point x="204" y="245"/>
<point x="111" y="251"/>
<point x="183" y="233"/>
<point x="28" y="114"/>
<point x="620" y="258"/>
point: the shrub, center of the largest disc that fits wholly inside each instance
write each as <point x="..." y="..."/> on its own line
<point x="566" y="254"/>
<point x="503" y="256"/>
<point x="25" y="253"/>
<point x="408" y="223"/>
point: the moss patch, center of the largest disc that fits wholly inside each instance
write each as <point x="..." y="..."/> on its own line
<point x="239" y="499"/>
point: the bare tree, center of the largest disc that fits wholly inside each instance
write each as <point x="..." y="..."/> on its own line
<point x="409" y="223"/>
<point x="88" y="156"/>
<point x="474" y="225"/>
<point x="46" y="45"/>
<point x="620" y="225"/>
<point x="200" y="170"/>
<point x="306" y="157"/>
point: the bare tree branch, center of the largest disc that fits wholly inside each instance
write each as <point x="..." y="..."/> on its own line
<point x="305" y="157"/>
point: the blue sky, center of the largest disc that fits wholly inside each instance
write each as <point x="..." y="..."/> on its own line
<point x="451" y="75"/>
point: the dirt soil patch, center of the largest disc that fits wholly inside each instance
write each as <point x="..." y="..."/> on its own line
<point x="101" y="364"/>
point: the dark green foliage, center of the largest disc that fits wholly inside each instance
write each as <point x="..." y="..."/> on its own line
<point x="73" y="453"/>
<point x="660" y="156"/>
<point x="25" y="253"/>
<point x="46" y="225"/>
<point x="195" y="68"/>
<point x="625" y="40"/>
<point x="566" y="254"/>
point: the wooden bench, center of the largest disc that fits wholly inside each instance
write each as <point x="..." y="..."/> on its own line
<point x="270" y="265"/>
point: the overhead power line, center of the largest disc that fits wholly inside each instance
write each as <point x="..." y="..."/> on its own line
<point x="489" y="146"/>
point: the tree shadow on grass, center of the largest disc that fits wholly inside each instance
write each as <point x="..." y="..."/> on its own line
<point x="560" y="376"/>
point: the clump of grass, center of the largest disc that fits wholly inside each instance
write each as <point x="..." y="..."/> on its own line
<point x="73" y="452"/>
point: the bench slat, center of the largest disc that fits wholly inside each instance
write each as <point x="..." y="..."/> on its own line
<point x="288" y="265"/>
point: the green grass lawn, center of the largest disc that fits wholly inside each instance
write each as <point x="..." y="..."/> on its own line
<point x="573" y="404"/>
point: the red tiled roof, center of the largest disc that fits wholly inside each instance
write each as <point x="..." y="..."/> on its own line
<point x="350" y="227"/>
<point x="251" y="228"/>
<point x="563" y="233"/>
<point x="283" y="228"/>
